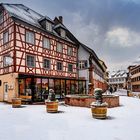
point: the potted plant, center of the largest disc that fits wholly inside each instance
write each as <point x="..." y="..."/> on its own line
<point x="98" y="108"/>
<point x="16" y="102"/>
<point x="51" y="103"/>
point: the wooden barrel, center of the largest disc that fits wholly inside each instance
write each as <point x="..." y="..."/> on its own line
<point x="16" y="102"/>
<point x="51" y="106"/>
<point x="99" y="112"/>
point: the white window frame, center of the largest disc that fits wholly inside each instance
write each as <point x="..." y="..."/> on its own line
<point x="30" y="37"/>
<point x="63" y="33"/>
<point x="46" y="64"/>
<point x="59" y="47"/>
<point x="70" y="51"/>
<point x="7" y="60"/>
<point x="5" y="37"/>
<point x="61" y="66"/>
<point x="1" y="18"/>
<point x="82" y="64"/>
<point x="46" y="43"/>
<point x="69" y="69"/>
<point x="29" y="64"/>
<point x="48" y="26"/>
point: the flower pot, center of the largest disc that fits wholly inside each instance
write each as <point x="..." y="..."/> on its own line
<point x="16" y="102"/>
<point x="99" y="111"/>
<point x="51" y="106"/>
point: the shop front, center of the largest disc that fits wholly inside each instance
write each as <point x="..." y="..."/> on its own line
<point x="37" y="88"/>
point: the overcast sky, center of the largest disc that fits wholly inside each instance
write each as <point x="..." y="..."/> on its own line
<point x="110" y="27"/>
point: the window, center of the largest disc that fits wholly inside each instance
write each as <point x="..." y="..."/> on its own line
<point x="30" y="37"/>
<point x="69" y="51"/>
<point x="70" y="67"/>
<point x="48" y="26"/>
<point x="63" y="33"/>
<point x="5" y="37"/>
<point x="46" y="43"/>
<point x="30" y="61"/>
<point x="46" y="64"/>
<point x="59" y="66"/>
<point x="7" y="60"/>
<point x="82" y="64"/>
<point x="1" y="18"/>
<point x="59" y="47"/>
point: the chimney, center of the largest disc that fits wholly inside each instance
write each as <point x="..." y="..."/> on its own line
<point x="60" y="19"/>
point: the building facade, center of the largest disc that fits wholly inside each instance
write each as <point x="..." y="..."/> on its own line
<point x="38" y="54"/>
<point x="134" y="78"/>
<point x="35" y="55"/>
<point x="98" y="72"/>
<point x="118" y="79"/>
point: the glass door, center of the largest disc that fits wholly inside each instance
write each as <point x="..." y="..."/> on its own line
<point x="45" y="88"/>
<point x="38" y="90"/>
<point x="58" y="88"/>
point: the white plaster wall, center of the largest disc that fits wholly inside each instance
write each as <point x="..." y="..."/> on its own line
<point x="84" y="55"/>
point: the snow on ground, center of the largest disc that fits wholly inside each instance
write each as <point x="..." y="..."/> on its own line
<point x="122" y="92"/>
<point x="75" y="123"/>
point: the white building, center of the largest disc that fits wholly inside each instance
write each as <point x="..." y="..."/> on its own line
<point x="99" y="80"/>
<point x="118" y="79"/>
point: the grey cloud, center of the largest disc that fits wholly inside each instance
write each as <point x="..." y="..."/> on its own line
<point x="91" y="20"/>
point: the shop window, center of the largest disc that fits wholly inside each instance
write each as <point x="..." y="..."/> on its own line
<point x="68" y="86"/>
<point x="45" y="88"/>
<point x="38" y="90"/>
<point x="28" y="87"/>
<point x="22" y="86"/>
<point x="51" y="84"/>
<point x="58" y="88"/>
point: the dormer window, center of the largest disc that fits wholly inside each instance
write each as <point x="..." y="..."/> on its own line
<point x="63" y="33"/>
<point x="46" y="23"/>
<point x="48" y="26"/>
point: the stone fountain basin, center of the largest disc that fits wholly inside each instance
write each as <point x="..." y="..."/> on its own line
<point x="86" y="100"/>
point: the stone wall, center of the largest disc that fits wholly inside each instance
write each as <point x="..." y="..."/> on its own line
<point x="113" y="101"/>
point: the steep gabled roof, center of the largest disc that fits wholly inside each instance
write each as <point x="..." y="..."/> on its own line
<point x="20" y="12"/>
<point x="24" y="13"/>
<point x="117" y="74"/>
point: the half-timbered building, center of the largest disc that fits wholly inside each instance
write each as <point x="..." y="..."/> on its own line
<point x="36" y="54"/>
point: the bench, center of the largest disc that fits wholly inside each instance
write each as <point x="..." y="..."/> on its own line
<point x="25" y="99"/>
